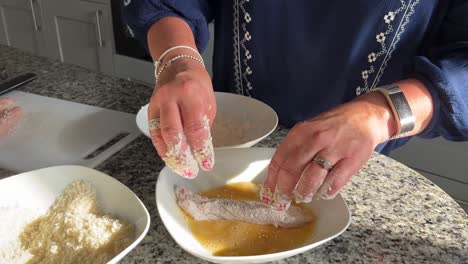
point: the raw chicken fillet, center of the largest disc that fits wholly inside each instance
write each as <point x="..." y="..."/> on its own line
<point x="202" y="208"/>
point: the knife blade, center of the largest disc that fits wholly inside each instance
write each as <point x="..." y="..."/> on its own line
<point x="16" y="82"/>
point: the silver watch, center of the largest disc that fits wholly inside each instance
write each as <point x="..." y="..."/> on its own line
<point x="400" y="109"/>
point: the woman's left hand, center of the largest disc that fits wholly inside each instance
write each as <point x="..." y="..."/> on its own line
<point x="342" y="139"/>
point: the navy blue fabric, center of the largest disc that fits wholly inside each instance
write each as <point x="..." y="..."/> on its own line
<point x="307" y="56"/>
<point x="140" y="15"/>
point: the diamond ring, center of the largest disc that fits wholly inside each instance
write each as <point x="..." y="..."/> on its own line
<point x="154" y="124"/>
<point x="326" y="164"/>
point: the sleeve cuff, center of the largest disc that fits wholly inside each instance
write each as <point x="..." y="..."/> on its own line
<point x="429" y="131"/>
<point x="201" y="45"/>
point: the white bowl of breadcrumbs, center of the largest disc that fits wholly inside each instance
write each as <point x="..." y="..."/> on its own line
<point x="68" y="214"/>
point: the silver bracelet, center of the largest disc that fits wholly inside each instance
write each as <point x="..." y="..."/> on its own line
<point x="400" y="108"/>
<point x="158" y="62"/>
<point x="175" y="58"/>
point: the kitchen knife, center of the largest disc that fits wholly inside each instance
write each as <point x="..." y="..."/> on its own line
<point x="16" y="82"/>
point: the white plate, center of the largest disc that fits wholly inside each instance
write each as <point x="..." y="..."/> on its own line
<point x="240" y="165"/>
<point x="37" y="190"/>
<point x="258" y="119"/>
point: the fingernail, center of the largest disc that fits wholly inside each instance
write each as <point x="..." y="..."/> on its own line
<point x="181" y="161"/>
<point x="188" y="174"/>
<point x="325" y="190"/>
<point x="207" y="164"/>
<point x="189" y="165"/>
<point x="205" y="155"/>
<point x="299" y="198"/>
<point x="265" y="195"/>
<point x="187" y="169"/>
<point x="281" y="202"/>
<point x="327" y="196"/>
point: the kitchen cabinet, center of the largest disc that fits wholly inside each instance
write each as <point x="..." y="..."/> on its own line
<point x="80" y="32"/>
<point x="136" y="70"/>
<point x="21" y="25"/>
<point x="441" y="161"/>
<point x="77" y="32"/>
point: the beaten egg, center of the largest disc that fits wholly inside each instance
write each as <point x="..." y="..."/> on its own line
<point x="235" y="238"/>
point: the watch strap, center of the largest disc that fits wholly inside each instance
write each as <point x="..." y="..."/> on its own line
<point x="400" y="108"/>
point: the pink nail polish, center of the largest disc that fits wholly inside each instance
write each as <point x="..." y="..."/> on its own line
<point x="282" y="207"/>
<point x="205" y="154"/>
<point x="207" y="164"/>
<point x="188" y="174"/>
<point x="265" y="195"/>
<point x="281" y="202"/>
<point x="266" y="199"/>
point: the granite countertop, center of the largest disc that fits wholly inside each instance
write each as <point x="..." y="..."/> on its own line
<point x="398" y="216"/>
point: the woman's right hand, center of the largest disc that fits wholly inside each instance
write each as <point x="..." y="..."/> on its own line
<point x="9" y="115"/>
<point x="184" y="101"/>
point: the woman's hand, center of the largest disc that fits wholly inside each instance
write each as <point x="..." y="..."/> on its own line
<point x="9" y="115"/>
<point x="344" y="136"/>
<point x="185" y="103"/>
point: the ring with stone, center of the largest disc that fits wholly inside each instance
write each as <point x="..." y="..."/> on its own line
<point x="326" y="164"/>
<point x="154" y="124"/>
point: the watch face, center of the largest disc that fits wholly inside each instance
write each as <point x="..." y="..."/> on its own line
<point x="406" y="117"/>
<point x="400" y="109"/>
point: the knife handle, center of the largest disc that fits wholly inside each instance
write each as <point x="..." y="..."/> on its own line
<point x="16" y="82"/>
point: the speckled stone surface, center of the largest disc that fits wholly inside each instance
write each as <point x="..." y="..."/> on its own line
<point x="398" y="216"/>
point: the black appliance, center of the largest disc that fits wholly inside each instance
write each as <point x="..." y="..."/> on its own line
<point x="124" y="44"/>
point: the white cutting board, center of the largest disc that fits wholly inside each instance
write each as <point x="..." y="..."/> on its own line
<point x="57" y="132"/>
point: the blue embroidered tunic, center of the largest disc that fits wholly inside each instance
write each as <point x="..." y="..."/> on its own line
<point x="304" y="57"/>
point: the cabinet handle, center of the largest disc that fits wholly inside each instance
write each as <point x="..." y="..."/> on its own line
<point x="33" y="11"/>
<point x="98" y="22"/>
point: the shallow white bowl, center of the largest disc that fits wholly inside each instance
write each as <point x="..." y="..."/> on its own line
<point x="257" y="118"/>
<point x="37" y="190"/>
<point x="240" y="165"/>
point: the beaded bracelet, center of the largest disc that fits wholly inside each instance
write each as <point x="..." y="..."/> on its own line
<point x="178" y="57"/>
<point x="161" y="57"/>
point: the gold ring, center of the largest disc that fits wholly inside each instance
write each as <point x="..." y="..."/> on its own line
<point x="326" y="164"/>
<point x="154" y="124"/>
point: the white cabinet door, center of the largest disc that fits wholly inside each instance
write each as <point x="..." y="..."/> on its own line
<point x="443" y="162"/>
<point x="80" y="33"/>
<point x="21" y="25"/>
<point x="437" y="156"/>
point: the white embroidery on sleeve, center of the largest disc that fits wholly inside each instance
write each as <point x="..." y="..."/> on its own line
<point x="241" y="36"/>
<point x="406" y="10"/>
